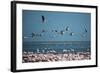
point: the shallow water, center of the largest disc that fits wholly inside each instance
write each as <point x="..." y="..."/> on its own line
<point x="59" y="47"/>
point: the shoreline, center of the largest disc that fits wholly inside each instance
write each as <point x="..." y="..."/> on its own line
<point x="30" y="57"/>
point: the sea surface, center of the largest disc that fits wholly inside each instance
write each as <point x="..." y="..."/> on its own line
<point x="58" y="46"/>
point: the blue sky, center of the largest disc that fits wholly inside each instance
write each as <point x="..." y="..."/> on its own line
<point x="77" y="23"/>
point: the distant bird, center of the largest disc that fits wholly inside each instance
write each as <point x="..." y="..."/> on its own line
<point x="84" y="33"/>
<point x="38" y="51"/>
<point x="67" y="28"/>
<point x="85" y="30"/>
<point x="72" y="49"/>
<point x="43" y="19"/>
<point x="64" y="50"/>
<point x="33" y="34"/>
<point x="61" y="32"/>
<point x="43" y="30"/>
<point x="38" y="35"/>
<point x="56" y="31"/>
<point x="72" y="33"/>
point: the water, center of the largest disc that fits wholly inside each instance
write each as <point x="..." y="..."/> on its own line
<point x="59" y="47"/>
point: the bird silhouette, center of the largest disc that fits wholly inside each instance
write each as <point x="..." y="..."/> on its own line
<point x="43" y="19"/>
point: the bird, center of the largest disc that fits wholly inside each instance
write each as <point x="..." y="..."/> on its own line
<point x="72" y="33"/>
<point x="43" y="30"/>
<point x="61" y="32"/>
<point x="67" y="28"/>
<point x="56" y="31"/>
<point x="38" y="35"/>
<point x="84" y="33"/>
<point x="33" y="34"/>
<point x="43" y="19"/>
<point x="85" y="30"/>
